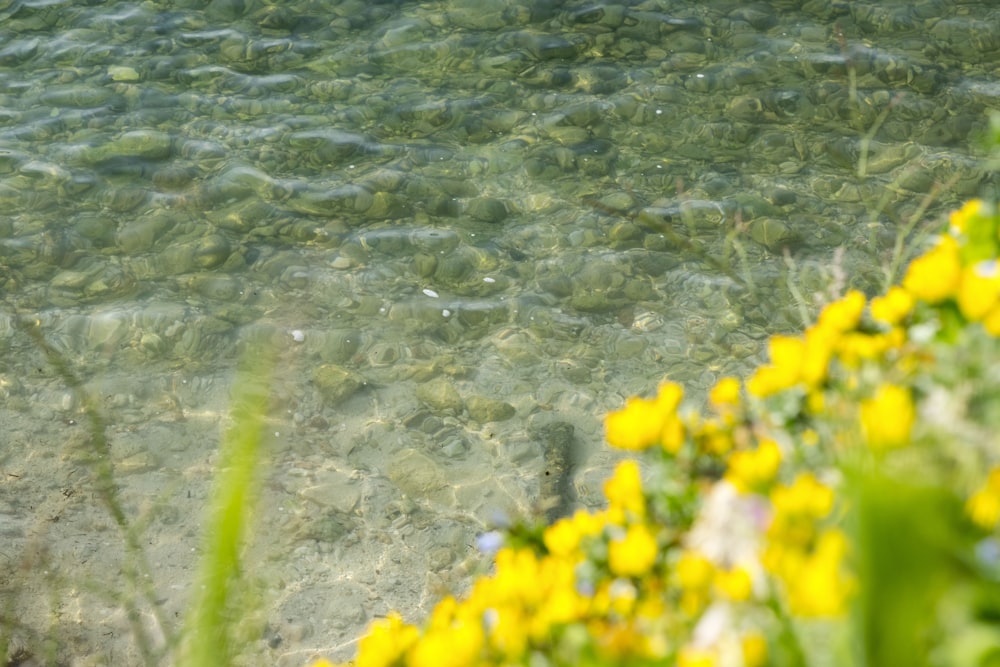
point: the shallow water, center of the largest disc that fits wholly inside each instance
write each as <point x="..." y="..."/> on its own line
<point x="468" y="226"/>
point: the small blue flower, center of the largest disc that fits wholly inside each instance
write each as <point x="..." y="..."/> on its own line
<point x="988" y="552"/>
<point x="490" y="543"/>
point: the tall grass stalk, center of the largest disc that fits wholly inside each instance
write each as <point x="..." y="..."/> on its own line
<point x="209" y="638"/>
<point x="136" y="569"/>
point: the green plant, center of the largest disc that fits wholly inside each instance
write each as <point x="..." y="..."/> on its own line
<point x="210" y="637"/>
<point x="221" y="594"/>
<point x="137" y="592"/>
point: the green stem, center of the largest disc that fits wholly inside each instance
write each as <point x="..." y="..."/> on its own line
<point x="209" y="630"/>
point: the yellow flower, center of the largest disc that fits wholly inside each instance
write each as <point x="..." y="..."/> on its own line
<point x="634" y="554"/>
<point x="785" y="370"/>
<point x="694" y="571"/>
<point x="959" y="220"/>
<point x="892" y="308"/>
<point x="979" y="290"/>
<point x="983" y="507"/>
<point x="637" y="426"/>
<point x="624" y="489"/>
<point x="725" y="393"/>
<point x="734" y="584"/>
<point x="887" y="418"/>
<point x="714" y="437"/>
<point x="644" y="422"/>
<point x="752" y="470"/>
<point x="934" y="276"/>
<point x="806" y="497"/>
<point x="856" y="346"/>
<point x="820" y="343"/>
<point x="796" y="510"/>
<point x="456" y="646"/>
<point x="563" y="605"/>
<point x="669" y="397"/>
<point x="797" y="360"/>
<point x="507" y="628"/>
<point x="515" y="580"/>
<point x="843" y="314"/>
<point x="672" y="436"/>
<point x="563" y="538"/>
<point x="386" y="642"/>
<point x="690" y="656"/>
<point x="992" y="322"/>
<point x="820" y="588"/>
<point x="754" y="649"/>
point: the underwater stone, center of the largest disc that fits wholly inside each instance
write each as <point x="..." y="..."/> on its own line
<point x="626" y="231"/>
<point x="106" y="331"/>
<point x="173" y="177"/>
<point x="441" y="396"/>
<point x="424" y="264"/>
<point x="483" y="409"/>
<point x="212" y="251"/>
<point x="214" y="286"/>
<point x="123" y="73"/>
<point x="595" y="302"/>
<point x="339" y="345"/>
<point x="98" y="228"/>
<point x="335" y="384"/>
<point x="454" y="267"/>
<point x="487" y="209"/>
<point x="145" y="144"/>
<point x="383" y="354"/>
<point x="558" y="444"/>
<point x="772" y="234"/>
<point x="329" y="146"/>
<point x="138" y="236"/>
<point x="77" y="96"/>
<point x="333" y="490"/>
<point x="416" y="474"/>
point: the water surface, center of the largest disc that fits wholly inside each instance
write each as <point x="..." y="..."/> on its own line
<point x="472" y="228"/>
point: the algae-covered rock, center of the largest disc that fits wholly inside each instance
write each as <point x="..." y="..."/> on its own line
<point x="338" y="345"/>
<point x="772" y="234"/>
<point x="335" y="384"/>
<point x="558" y="444"/>
<point x="333" y="490"/>
<point x="487" y="209"/>
<point x="484" y="409"/>
<point x="416" y="474"/>
<point x="440" y="395"/>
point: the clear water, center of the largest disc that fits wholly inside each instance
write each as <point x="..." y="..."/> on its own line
<point x="467" y="226"/>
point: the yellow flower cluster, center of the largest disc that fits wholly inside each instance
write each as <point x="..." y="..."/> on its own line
<point x="983" y="506"/>
<point x="645" y="422"/>
<point x="806" y="559"/>
<point x="753" y="470"/>
<point x="936" y="275"/>
<point x="887" y="418"/>
<point x="804" y="361"/>
<point x="657" y="575"/>
<point x="962" y="267"/>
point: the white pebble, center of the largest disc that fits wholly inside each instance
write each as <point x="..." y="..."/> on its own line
<point x="431" y="293"/>
<point x="487" y="279"/>
<point x="298" y="336"/>
<point x="446" y="313"/>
